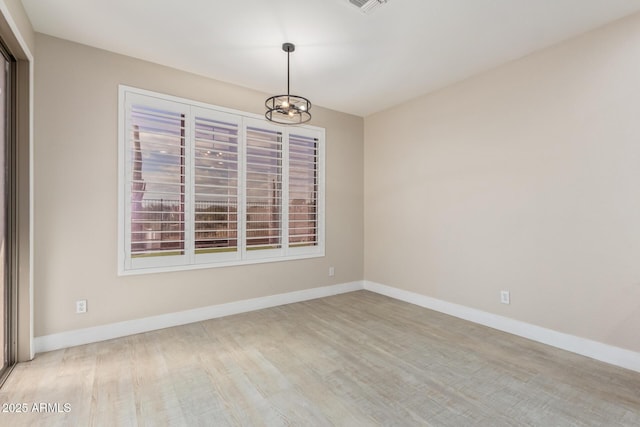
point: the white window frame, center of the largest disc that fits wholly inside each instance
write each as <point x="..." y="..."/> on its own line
<point x="190" y="260"/>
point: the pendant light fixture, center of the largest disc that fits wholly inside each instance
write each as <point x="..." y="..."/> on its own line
<point x="288" y="109"/>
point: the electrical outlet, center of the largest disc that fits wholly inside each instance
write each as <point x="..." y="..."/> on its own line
<point x="505" y="298"/>
<point x="332" y="271"/>
<point x="81" y="306"/>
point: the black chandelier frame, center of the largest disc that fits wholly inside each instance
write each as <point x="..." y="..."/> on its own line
<point x="288" y="109"/>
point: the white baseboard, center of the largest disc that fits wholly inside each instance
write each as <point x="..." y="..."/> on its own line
<point x="593" y="349"/>
<point x="131" y="327"/>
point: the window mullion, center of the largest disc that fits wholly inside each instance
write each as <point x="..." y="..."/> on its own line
<point x="284" y="205"/>
<point x="125" y="148"/>
<point x="190" y="187"/>
<point x="242" y="190"/>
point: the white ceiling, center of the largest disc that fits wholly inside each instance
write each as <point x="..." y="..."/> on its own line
<point x="344" y="59"/>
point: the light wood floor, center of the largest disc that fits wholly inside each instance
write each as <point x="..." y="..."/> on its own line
<point x="350" y="360"/>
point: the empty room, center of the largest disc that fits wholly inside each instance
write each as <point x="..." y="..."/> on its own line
<point x="320" y="212"/>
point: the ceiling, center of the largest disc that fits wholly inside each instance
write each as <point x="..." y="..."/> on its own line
<point x="344" y="59"/>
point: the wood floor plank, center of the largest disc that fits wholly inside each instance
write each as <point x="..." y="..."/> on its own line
<point x="356" y="359"/>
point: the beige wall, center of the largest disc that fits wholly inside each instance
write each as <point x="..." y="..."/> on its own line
<point x="76" y="172"/>
<point x="525" y="178"/>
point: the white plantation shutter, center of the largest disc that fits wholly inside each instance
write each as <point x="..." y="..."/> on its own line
<point x="303" y="190"/>
<point x="202" y="186"/>
<point x="263" y="188"/>
<point x="216" y="173"/>
<point x="156" y="153"/>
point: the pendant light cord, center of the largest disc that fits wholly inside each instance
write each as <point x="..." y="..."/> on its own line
<point x="288" y="55"/>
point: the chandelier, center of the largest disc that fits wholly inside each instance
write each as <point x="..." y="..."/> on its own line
<point x="288" y="109"/>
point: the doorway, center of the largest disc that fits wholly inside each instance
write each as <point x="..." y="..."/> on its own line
<point x="7" y="212"/>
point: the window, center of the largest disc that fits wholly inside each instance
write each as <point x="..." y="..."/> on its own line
<point x="203" y="186"/>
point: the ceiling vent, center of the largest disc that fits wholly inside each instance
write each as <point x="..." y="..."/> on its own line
<point x="367" y="6"/>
